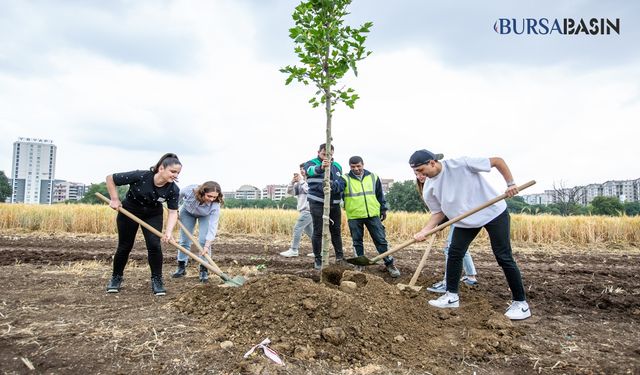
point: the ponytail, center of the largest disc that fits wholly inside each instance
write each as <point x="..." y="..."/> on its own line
<point x="166" y="160"/>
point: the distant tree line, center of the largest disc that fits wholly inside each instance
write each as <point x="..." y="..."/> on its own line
<point x="289" y="203"/>
<point x="5" y="187"/>
<point x="403" y="196"/>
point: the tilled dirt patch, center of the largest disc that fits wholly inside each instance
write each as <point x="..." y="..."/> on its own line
<point x="55" y="315"/>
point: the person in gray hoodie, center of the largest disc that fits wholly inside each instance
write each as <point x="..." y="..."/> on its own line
<point x="299" y="189"/>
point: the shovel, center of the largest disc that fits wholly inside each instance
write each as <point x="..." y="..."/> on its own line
<point x="236" y="281"/>
<point x="414" y="279"/>
<point x="173" y="242"/>
<point x="364" y="261"/>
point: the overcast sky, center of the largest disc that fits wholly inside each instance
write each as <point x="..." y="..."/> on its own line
<point x="116" y="84"/>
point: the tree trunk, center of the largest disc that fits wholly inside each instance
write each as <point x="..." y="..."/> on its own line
<point x="326" y="235"/>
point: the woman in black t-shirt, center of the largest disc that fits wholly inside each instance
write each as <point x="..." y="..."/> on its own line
<point x="147" y="191"/>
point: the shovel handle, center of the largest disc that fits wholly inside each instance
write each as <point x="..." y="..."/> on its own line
<point x="452" y="221"/>
<point x="422" y="261"/>
<point x="199" y="247"/>
<point x="158" y="233"/>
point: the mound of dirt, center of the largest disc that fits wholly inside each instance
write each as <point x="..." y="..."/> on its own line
<point x="363" y="323"/>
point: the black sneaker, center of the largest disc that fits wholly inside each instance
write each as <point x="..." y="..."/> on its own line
<point x="204" y="274"/>
<point x="158" y="286"/>
<point x="115" y="284"/>
<point x="181" y="271"/>
<point x="393" y="270"/>
<point x="317" y="264"/>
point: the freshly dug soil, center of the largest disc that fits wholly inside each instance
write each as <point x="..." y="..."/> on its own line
<point x="56" y="317"/>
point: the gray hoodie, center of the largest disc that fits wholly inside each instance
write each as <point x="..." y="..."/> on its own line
<point x="300" y="190"/>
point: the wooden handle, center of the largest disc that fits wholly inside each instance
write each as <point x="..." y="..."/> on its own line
<point x="197" y="243"/>
<point x="454" y="220"/>
<point x="158" y="233"/>
<point x="422" y="261"/>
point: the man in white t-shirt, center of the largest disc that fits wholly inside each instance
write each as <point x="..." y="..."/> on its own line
<point x="454" y="187"/>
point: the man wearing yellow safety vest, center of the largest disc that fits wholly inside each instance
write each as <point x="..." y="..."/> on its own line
<point x="365" y="205"/>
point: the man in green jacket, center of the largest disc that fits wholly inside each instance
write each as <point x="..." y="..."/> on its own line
<point x="365" y="205"/>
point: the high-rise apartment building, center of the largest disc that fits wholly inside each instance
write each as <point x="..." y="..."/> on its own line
<point x="33" y="170"/>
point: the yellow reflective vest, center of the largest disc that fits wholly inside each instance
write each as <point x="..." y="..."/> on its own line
<point x="360" y="197"/>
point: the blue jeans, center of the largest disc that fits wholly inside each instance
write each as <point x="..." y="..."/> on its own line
<point x="467" y="261"/>
<point x="189" y="222"/>
<point x="303" y="224"/>
<point x="376" y="231"/>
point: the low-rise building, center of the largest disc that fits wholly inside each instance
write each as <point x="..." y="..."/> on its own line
<point x="274" y="192"/>
<point x="68" y="191"/>
<point x="542" y="198"/>
<point x="386" y="184"/>
<point x="248" y="192"/>
<point x="624" y="190"/>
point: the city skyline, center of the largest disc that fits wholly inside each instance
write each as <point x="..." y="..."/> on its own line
<point x="36" y="140"/>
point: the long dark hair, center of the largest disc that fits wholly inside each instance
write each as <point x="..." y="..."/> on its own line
<point x="420" y="188"/>
<point x="208" y="187"/>
<point x="166" y="160"/>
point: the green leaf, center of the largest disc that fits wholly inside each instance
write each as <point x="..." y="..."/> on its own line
<point x="327" y="48"/>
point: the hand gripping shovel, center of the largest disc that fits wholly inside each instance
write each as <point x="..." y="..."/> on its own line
<point x="364" y="261"/>
<point x="236" y="281"/>
<point x="159" y="234"/>
<point x="414" y="279"/>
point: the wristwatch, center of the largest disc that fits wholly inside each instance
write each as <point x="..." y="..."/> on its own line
<point x="510" y="183"/>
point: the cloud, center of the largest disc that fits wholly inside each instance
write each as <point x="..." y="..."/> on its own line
<point x="549" y="123"/>
<point x="462" y="32"/>
<point x="217" y="99"/>
<point x="146" y="33"/>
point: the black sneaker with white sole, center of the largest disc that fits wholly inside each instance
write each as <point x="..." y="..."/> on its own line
<point x="204" y="274"/>
<point x="157" y="285"/>
<point x="115" y="284"/>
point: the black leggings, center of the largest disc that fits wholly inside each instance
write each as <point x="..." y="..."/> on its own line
<point x="500" y="237"/>
<point x="127" y="230"/>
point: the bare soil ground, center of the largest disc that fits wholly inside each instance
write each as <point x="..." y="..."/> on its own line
<point x="56" y="317"/>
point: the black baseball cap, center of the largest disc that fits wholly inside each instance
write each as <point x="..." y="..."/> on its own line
<point x="423" y="157"/>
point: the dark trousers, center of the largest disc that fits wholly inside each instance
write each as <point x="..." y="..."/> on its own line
<point x="376" y="231"/>
<point x="500" y="237"/>
<point x="127" y="230"/>
<point x="335" y="222"/>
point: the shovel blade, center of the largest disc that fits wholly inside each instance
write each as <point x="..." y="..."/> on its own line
<point x="409" y="286"/>
<point x="360" y="261"/>
<point x="234" y="282"/>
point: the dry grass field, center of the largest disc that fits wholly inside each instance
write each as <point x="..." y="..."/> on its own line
<point x="532" y="229"/>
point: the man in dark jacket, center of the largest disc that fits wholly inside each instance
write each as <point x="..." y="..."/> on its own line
<point x="365" y="205"/>
<point x="316" y="169"/>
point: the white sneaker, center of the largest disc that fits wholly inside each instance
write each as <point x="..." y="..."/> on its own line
<point x="311" y="255"/>
<point x="289" y="253"/>
<point x="447" y="300"/>
<point x="518" y="310"/>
